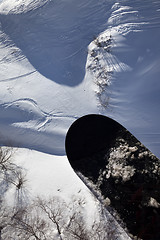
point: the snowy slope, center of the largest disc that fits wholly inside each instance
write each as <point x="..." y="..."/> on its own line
<point x="136" y="92"/>
<point x="43" y="55"/>
<point x="45" y="83"/>
<point x="133" y="63"/>
<point x="53" y="69"/>
<point x="62" y="59"/>
<point x="52" y="176"/>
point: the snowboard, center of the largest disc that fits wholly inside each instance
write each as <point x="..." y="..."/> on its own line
<point x="121" y="168"/>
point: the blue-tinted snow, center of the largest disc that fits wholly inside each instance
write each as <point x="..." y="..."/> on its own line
<point x="44" y="82"/>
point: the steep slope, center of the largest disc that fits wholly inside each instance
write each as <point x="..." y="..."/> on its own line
<point x="127" y="72"/>
<point x="60" y="60"/>
<point x="43" y="55"/>
<point x="46" y="80"/>
<point x="139" y="92"/>
<point x="45" y="84"/>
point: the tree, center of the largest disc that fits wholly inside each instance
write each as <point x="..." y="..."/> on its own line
<point x="11" y="175"/>
<point x="54" y="219"/>
<point x="46" y="219"/>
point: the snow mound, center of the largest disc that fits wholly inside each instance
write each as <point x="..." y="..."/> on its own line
<point x="92" y="60"/>
<point x="20" y="6"/>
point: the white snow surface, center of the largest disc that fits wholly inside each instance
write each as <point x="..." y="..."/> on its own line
<point x="45" y="84"/>
<point x="50" y="176"/>
<point x="48" y="78"/>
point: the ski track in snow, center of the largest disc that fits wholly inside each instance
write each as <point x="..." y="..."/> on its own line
<point x="17" y="77"/>
<point x="28" y="45"/>
<point x="24" y="116"/>
<point x="48" y="78"/>
<point x="34" y="105"/>
<point x="49" y="49"/>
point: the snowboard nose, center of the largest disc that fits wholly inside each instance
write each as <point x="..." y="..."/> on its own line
<point x="122" y="169"/>
<point x="90" y="134"/>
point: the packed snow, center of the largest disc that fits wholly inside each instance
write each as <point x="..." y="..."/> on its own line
<point x="62" y="59"/>
<point x="45" y="80"/>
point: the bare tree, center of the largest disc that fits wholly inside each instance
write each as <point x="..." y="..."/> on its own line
<point x="54" y="219"/>
<point x="4" y="218"/>
<point x="55" y="210"/>
<point x="11" y="174"/>
<point x="76" y="228"/>
<point x="46" y="219"/>
<point x="28" y="224"/>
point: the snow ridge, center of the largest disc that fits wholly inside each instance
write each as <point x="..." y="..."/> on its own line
<point x="101" y="61"/>
<point x="46" y="67"/>
<point x="122" y="60"/>
<point x="20" y="6"/>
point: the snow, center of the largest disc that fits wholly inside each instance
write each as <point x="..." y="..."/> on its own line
<point x="48" y="73"/>
<point x="20" y="6"/>
<point x="45" y="80"/>
<point x="52" y="176"/>
<point x="46" y="176"/>
<point x="117" y="166"/>
<point x="135" y="92"/>
<point x="49" y="77"/>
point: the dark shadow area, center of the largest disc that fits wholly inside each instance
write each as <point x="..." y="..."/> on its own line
<point x="122" y="168"/>
<point x="87" y="138"/>
<point x="89" y="135"/>
<point x="54" y="38"/>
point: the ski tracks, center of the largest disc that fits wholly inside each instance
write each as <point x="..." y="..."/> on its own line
<point x="27" y="110"/>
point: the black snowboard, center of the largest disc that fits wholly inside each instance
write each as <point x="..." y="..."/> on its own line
<point x="122" y="168"/>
